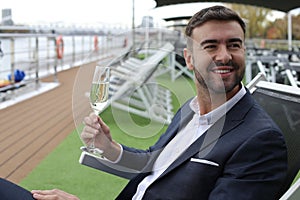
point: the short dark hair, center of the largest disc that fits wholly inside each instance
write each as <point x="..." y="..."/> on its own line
<point x="213" y="13"/>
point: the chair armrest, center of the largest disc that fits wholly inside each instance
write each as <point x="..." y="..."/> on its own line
<point x="106" y="166"/>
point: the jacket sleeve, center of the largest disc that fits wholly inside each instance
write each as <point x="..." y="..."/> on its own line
<point x="143" y="159"/>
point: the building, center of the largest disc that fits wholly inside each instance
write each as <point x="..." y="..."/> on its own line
<point x="7" y="17"/>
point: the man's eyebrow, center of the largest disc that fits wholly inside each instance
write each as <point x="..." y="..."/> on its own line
<point x="212" y="41"/>
<point x="208" y="42"/>
<point x="235" y="40"/>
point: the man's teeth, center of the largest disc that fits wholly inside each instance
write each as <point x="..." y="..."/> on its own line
<point x="222" y="71"/>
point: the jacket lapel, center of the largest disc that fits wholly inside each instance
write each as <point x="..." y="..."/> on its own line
<point x="204" y="144"/>
<point x="185" y="114"/>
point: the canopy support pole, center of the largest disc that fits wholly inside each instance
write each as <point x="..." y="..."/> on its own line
<point x="289" y="30"/>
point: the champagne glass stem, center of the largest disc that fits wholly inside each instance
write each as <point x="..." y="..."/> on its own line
<point x="91" y="148"/>
<point x="92" y="144"/>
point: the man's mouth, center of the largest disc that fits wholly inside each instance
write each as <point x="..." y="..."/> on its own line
<point x="222" y="70"/>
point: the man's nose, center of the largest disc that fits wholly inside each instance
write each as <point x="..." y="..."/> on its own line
<point x="223" y="54"/>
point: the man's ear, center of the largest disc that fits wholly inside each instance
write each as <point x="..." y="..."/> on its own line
<point x="188" y="58"/>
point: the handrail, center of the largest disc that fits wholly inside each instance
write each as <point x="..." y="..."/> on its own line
<point x="36" y="55"/>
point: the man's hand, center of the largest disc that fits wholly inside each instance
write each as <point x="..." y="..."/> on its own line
<point x="54" y="194"/>
<point x="96" y="130"/>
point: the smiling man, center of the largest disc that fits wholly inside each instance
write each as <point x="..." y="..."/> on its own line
<point x="216" y="53"/>
<point x="220" y="145"/>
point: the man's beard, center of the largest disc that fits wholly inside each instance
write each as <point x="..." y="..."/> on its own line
<point x="224" y="88"/>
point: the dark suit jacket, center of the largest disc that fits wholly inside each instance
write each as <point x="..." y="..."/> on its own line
<point x="11" y="191"/>
<point x="247" y="153"/>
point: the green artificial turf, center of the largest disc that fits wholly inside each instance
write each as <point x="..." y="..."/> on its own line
<point x="297" y="177"/>
<point x="62" y="170"/>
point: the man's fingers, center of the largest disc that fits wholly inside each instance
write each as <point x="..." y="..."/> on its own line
<point x="47" y="192"/>
<point x="89" y="132"/>
<point x="94" y="117"/>
<point x="103" y="126"/>
<point x="92" y="122"/>
<point x="52" y="194"/>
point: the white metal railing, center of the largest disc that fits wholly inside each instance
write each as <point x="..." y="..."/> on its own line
<point x="37" y="56"/>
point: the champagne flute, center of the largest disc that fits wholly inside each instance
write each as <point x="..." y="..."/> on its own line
<point x="99" y="98"/>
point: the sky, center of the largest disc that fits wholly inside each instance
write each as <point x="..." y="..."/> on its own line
<point x="91" y="11"/>
<point x="84" y="11"/>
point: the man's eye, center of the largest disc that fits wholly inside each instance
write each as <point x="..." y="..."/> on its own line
<point x="210" y="47"/>
<point x="234" y="46"/>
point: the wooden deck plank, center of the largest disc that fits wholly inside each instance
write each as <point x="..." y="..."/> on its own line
<point x="31" y="129"/>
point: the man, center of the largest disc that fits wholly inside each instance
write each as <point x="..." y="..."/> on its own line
<point x="220" y="144"/>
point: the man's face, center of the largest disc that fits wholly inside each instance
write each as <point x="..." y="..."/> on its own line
<point x="218" y="55"/>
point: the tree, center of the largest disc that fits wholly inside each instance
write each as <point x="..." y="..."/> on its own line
<point x="279" y="29"/>
<point x="296" y="27"/>
<point x="273" y="33"/>
<point x="255" y="17"/>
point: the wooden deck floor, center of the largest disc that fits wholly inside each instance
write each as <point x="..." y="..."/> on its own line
<point x="33" y="128"/>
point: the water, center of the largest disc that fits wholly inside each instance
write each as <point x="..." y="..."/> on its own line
<point x="24" y="50"/>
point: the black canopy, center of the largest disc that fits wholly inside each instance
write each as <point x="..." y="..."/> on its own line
<point x="279" y="5"/>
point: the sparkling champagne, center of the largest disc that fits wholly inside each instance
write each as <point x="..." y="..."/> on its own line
<point x="99" y="96"/>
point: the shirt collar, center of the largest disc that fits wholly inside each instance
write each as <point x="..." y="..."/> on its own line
<point x="216" y="114"/>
